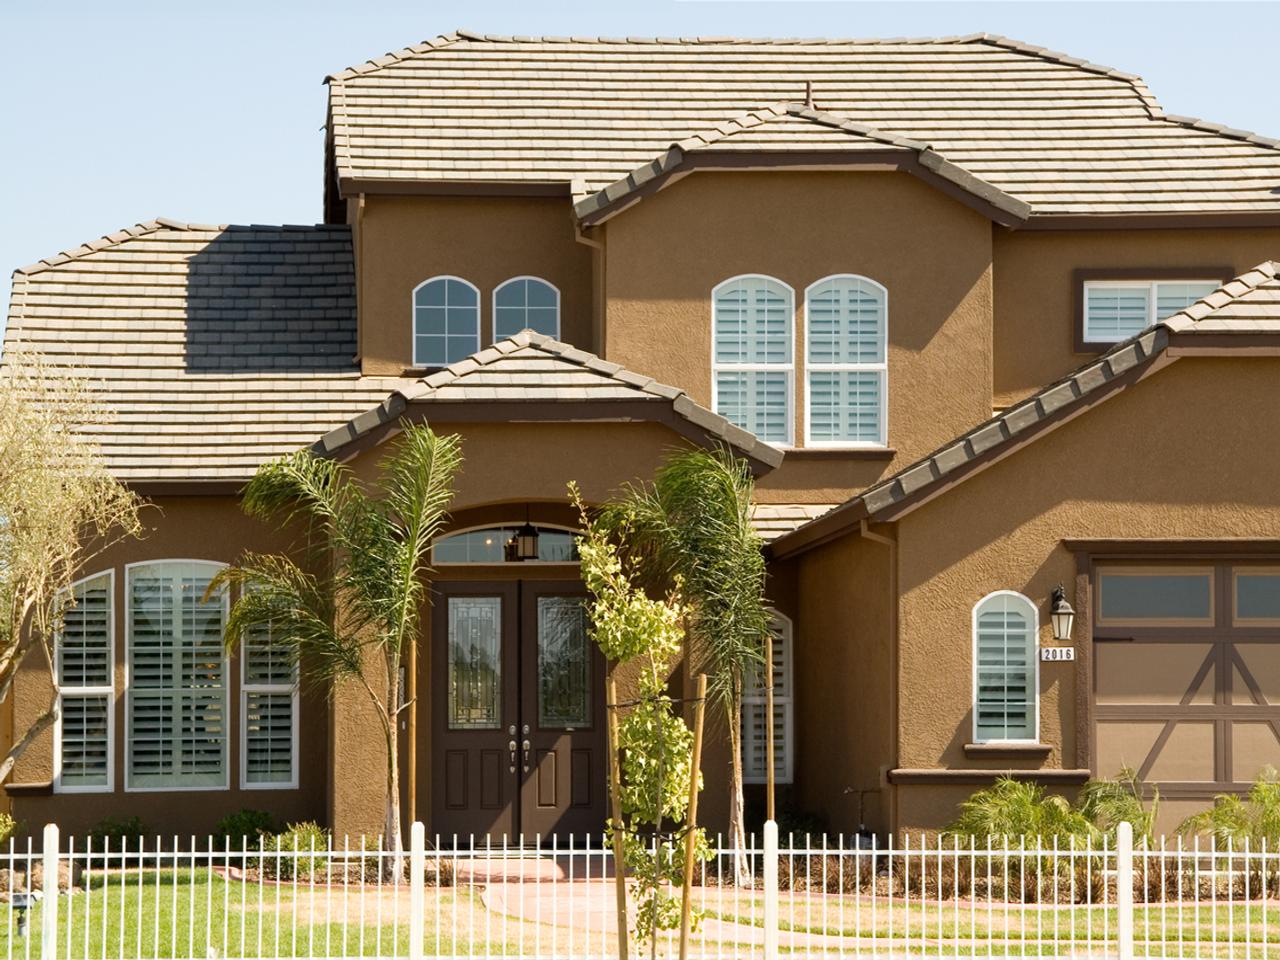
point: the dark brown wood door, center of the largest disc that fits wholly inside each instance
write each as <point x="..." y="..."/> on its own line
<point x="517" y="694"/>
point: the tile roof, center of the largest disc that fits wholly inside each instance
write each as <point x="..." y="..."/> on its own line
<point x="1247" y="304"/>
<point x="1062" y="135"/>
<point x="216" y="347"/>
<point x="772" y="520"/>
<point x="531" y="367"/>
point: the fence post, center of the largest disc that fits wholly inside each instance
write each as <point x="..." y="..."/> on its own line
<point x="49" y="888"/>
<point x="770" y="890"/>
<point x="417" y="884"/>
<point x="1124" y="890"/>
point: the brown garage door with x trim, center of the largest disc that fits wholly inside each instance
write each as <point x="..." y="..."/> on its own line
<point x="1187" y="674"/>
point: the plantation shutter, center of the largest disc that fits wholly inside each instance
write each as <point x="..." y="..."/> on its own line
<point x="847" y="368"/>
<point x="1172" y="297"/>
<point x="752" y="355"/>
<point x="1115" y="313"/>
<point x="85" y="687"/>
<point x="177" y="678"/>
<point x="755" y="744"/>
<point x="1004" y="644"/>
<point x="269" y="711"/>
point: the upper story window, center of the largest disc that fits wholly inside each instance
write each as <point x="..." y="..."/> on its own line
<point x="1005" y="679"/>
<point x="177" y="693"/>
<point x="85" y="658"/>
<point x="446" y="321"/>
<point x="846" y="390"/>
<point x="1116" y="310"/>
<point x="526" y="303"/>
<point x="752" y="355"/>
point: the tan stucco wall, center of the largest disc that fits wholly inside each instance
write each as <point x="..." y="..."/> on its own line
<point x="1035" y="291"/>
<point x="402" y="241"/>
<point x="1191" y="452"/>
<point x="188" y="528"/>
<point x="665" y="255"/>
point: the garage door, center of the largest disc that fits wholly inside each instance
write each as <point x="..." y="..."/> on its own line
<point x="1187" y="674"/>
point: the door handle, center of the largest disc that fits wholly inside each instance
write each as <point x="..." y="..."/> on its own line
<point x="512" y="747"/>
<point x="526" y="755"/>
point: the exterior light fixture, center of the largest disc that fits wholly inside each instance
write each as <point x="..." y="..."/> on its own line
<point x="1061" y="614"/>
<point x="523" y="544"/>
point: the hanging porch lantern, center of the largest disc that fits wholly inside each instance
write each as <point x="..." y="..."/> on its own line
<point x="523" y="544"/>
<point x="1061" y="614"/>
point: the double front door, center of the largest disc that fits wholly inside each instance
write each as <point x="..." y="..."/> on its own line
<point x="517" y="694"/>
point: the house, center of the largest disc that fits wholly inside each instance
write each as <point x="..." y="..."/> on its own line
<point x="983" y="319"/>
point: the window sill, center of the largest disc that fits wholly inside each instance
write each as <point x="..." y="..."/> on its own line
<point x="44" y="789"/>
<point x="839" y="453"/>
<point x="1038" y="750"/>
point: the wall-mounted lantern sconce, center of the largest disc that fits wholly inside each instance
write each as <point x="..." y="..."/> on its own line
<point x="1061" y="614"/>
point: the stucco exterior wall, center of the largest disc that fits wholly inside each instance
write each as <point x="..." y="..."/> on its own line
<point x="190" y="528"/>
<point x="667" y="253"/>
<point x="1191" y="452"/>
<point x="1035" y="290"/>
<point x="402" y="241"/>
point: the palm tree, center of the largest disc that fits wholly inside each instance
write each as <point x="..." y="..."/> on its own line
<point x="354" y="621"/>
<point x="693" y="525"/>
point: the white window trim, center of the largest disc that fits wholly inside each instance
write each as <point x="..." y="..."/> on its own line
<point x="413" y="315"/>
<point x="493" y="304"/>
<point x="514" y="524"/>
<point x="1152" y="298"/>
<point x="786" y="628"/>
<point x="789" y="368"/>
<point x="1035" y="666"/>
<point x="883" y="368"/>
<point x="109" y="690"/>
<point x="226" y="673"/>
<point x="247" y="688"/>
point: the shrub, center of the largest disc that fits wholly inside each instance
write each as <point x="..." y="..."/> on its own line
<point x="243" y="829"/>
<point x="8" y="827"/>
<point x="1108" y="803"/>
<point x="1234" y="820"/>
<point x="115" y="833"/>
<point x="292" y="850"/>
<point x="1015" y="809"/>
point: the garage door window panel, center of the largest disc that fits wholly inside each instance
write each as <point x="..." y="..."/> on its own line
<point x="1155" y="596"/>
<point x="1256" y="596"/>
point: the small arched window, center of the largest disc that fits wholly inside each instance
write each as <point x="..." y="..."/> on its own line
<point x="526" y="303"/>
<point x="751" y="363"/>
<point x="446" y="321"/>
<point x="1005" y="670"/>
<point x="846" y="320"/>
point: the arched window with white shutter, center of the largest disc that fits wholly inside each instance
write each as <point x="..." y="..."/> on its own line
<point x="755" y="712"/>
<point x="84" y="655"/>
<point x="752" y="357"/>
<point x="1006" y="702"/>
<point x="846" y="364"/>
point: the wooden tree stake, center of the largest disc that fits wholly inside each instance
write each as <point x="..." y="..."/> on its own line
<point x="768" y="725"/>
<point x="686" y="904"/>
<point x="615" y="803"/>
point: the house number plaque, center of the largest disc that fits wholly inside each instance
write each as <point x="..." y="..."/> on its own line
<point x="1057" y="654"/>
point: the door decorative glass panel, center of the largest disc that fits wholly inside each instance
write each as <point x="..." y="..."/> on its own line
<point x="475" y="663"/>
<point x="564" y="663"/>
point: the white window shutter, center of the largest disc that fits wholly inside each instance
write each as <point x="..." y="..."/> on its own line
<point x="1005" y="694"/>
<point x="85" y="676"/>
<point x="754" y="713"/>
<point x="269" y="712"/>
<point x="846" y="336"/>
<point x="752" y="355"/>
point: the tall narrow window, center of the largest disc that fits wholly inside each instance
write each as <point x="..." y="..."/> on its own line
<point x="755" y="713"/>
<point x="177" y="699"/>
<point x="1005" y="680"/>
<point x="85" y="657"/>
<point x="846" y="368"/>
<point x="446" y="321"/>
<point x="752" y="355"/>
<point x="268" y="712"/>
<point x="1116" y="310"/>
<point x="526" y="303"/>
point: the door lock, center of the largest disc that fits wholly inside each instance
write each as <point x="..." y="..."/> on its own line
<point x="512" y="747"/>
<point x="525" y="745"/>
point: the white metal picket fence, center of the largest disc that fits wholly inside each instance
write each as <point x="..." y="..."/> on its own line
<point x="176" y="897"/>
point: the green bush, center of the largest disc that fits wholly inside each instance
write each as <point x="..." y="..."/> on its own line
<point x="242" y="829"/>
<point x="1014" y="809"/>
<point x="8" y="827"/>
<point x="292" y="848"/>
<point x="1108" y="803"/>
<point x="1233" y="820"/>
<point x="113" y="833"/>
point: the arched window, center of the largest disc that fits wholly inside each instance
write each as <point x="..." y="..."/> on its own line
<point x="85" y="656"/>
<point x="1005" y="669"/>
<point x="752" y="355"/>
<point x="526" y="303"/>
<point x="446" y="321"/>
<point x="486" y="545"/>
<point x="846" y="319"/>
<point x="755" y="741"/>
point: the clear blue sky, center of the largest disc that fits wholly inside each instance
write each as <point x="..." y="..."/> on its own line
<point x="211" y="112"/>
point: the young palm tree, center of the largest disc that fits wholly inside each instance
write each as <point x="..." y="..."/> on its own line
<point x="693" y="523"/>
<point x="354" y="621"/>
